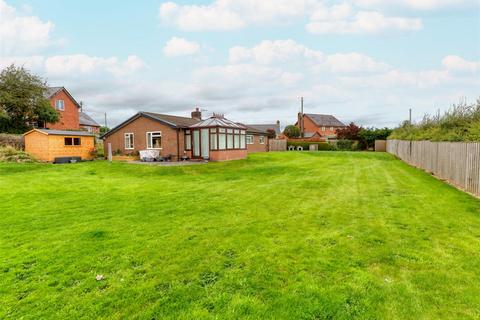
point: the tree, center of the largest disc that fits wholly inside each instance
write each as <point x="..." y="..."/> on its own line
<point x="22" y="100"/>
<point x="351" y="132"/>
<point x="104" y="130"/>
<point x="369" y="135"/>
<point x="291" y="131"/>
<point x="271" y="133"/>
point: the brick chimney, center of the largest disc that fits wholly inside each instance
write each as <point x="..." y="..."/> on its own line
<point x="197" y="114"/>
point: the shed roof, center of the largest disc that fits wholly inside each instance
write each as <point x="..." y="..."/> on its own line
<point x="62" y="132"/>
<point x="326" y="120"/>
<point x="86" y="120"/>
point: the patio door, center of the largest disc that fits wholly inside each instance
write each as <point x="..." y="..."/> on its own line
<point x="205" y="140"/>
<point x="196" y="143"/>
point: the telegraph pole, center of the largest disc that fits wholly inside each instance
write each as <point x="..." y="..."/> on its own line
<point x="410" y="116"/>
<point x="106" y="120"/>
<point x="301" y="117"/>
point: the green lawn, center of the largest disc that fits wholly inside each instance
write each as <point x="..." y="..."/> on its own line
<point x="277" y="236"/>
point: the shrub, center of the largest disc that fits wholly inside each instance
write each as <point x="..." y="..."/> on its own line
<point x="347" y="145"/>
<point x="291" y="131"/>
<point x="323" y="146"/>
<point x="460" y="123"/>
<point x="11" y="140"/>
<point x="10" y="154"/>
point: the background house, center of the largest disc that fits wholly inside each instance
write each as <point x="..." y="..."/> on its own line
<point x="88" y="124"/>
<point x="67" y="107"/>
<point x="318" y="125"/>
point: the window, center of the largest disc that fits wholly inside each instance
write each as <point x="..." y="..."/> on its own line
<point x="261" y="140"/>
<point x="229" y="138"/>
<point x="236" y="139"/>
<point x="222" y="138"/>
<point x="242" y="139"/>
<point x="72" y="141"/>
<point x="60" y="105"/>
<point x="129" y="141"/>
<point x="188" y="140"/>
<point x="213" y="139"/>
<point x="249" y="139"/>
<point x="89" y="129"/>
<point x="323" y="128"/>
<point x="154" y="140"/>
<point x="331" y="128"/>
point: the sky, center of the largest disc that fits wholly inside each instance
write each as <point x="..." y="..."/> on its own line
<point x="366" y="61"/>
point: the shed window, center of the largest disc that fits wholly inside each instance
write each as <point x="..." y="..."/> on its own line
<point x="154" y="140"/>
<point x="129" y="141"/>
<point x="249" y="139"/>
<point x="72" y="141"/>
<point x="60" y="105"/>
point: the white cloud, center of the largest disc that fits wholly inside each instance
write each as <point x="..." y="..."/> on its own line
<point x="232" y="14"/>
<point x="290" y="53"/>
<point x="343" y="20"/>
<point x="268" y="52"/>
<point x="416" y="4"/>
<point x="81" y="64"/>
<point x="21" y="33"/>
<point x="458" y="64"/>
<point x="352" y="63"/>
<point x="176" y="47"/>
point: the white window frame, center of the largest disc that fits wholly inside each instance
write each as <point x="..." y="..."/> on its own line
<point x="331" y="128"/>
<point x="131" y="134"/>
<point x="57" y="105"/>
<point x="323" y="128"/>
<point x="150" y="141"/>
<point x="261" y="139"/>
<point x="248" y="137"/>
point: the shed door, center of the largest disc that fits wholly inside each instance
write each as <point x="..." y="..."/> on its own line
<point x="205" y="143"/>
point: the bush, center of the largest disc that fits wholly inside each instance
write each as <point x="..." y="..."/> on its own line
<point x="291" y="131"/>
<point x="347" y="145"/>
<point x="11" y="140"/>
<point x="10" y="154"/>
<point x="460" y="123"/>
<point x="322" y="146"/>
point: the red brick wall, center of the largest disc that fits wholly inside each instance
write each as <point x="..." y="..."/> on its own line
<point x="225" y="155"/>
<point x="256" y="146"/>
<point x="139" y="128"/>
<point x="69" y="118"/>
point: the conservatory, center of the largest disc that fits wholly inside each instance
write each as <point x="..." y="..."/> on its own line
<point x="217" y="139"/>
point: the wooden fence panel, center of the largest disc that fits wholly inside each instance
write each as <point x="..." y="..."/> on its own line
<point x="455" y="162"/>
<point x="277" y="145"/>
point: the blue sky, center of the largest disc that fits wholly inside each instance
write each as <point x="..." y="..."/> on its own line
<point x="362" y="60"/>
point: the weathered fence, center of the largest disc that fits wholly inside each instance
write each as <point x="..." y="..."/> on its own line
<point x="455" y="162"/>
<point x="277" y="145"/>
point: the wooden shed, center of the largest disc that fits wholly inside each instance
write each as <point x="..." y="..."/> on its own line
<point x="46" y="145"/>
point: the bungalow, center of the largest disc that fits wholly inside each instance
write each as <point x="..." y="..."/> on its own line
<point x="215" y="138"/>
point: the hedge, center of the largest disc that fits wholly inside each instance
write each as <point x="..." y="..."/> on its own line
<point x="11" y="140"/>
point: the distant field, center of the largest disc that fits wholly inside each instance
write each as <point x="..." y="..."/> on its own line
<point x="277" y="236"/>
